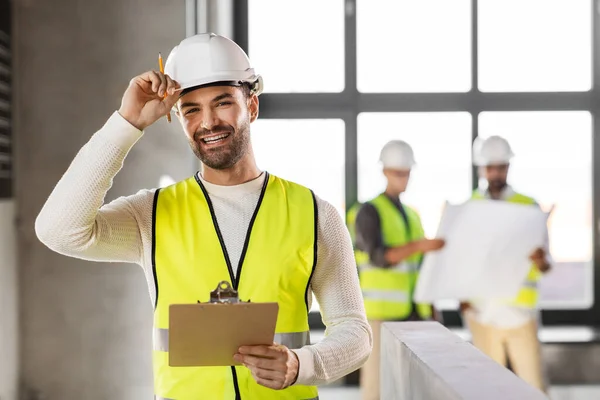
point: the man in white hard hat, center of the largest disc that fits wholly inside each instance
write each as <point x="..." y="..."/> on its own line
<point x="507" y="330"/>
<point x="273" y="240"/>
<point x="389" y="246"/>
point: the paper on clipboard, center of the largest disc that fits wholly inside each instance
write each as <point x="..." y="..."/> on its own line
<point x="488" y="244"/>
<point x="209" y="334"/>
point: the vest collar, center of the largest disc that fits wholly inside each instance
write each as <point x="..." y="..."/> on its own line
<point x="235" y="191"/>
<point x="506" y="194"/>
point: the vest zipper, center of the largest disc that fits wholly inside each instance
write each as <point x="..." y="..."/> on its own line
<point x="235" y="282"/>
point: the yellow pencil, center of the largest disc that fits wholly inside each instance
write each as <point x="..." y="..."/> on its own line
<point x="162" y="70"/>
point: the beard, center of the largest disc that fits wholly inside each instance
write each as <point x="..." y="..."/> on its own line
<point x="224" y="156"/>
<point x="496" y="184"/>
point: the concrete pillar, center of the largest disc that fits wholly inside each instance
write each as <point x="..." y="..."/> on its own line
<point x="9" y="343"/>
<point x="9" y="322"/>
<point x="85" y="327"/>
<point x="214" y="16"/>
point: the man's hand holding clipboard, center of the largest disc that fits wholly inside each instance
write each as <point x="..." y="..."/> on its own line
<point x="217" y="334"/>
<point x="273" y="366"/>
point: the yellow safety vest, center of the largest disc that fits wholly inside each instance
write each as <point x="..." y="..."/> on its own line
<point x="351" y="220"/>
<point x="190" y="259"/>
<point x="528" y="294"/>
<point x="388" y="292"/>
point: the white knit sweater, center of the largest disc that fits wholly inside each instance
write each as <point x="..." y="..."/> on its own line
<point x="75" y="222"/>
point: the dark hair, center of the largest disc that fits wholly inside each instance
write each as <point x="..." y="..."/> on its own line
<point x="245" y="87"/>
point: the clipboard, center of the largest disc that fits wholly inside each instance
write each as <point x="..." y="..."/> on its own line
<point x="209" y="334"/>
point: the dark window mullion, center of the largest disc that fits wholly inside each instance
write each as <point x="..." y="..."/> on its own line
<point x="474" y="79"/>
<point x="351" y="95"/>
<point x="594" y="109"/>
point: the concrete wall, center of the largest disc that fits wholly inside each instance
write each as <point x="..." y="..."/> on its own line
<point x="85" y="327"/>
<point x="9" y="343"/>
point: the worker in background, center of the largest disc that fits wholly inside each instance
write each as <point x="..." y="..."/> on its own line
<point x="507" y="330"/>
<point x="389" y="246"/>
<point x="273" y="240"/>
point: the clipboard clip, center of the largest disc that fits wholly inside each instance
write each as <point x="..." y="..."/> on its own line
<point x="224" y="293"/>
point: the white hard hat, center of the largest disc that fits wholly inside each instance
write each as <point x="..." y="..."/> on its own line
<point x="494" y="150"/>
<point x="397" y="154"/>
<point x="206" y="59"/>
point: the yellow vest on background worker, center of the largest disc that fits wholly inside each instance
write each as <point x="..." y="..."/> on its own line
<point x="388" y="292"/>
<point x="190" y="259"/>
<point x="528" y="294"/>
<point x="351" y="221"/>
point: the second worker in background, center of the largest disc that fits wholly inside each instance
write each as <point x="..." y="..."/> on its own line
<point x="506" y="329"/>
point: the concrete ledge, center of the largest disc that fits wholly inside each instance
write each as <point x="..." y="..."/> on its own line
<point x="424" y="360"/>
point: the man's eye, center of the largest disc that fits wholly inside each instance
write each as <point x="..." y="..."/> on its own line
<point x="191" y="110"/>
<point x="224" y="103"/>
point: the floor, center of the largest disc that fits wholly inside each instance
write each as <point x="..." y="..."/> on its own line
<point x="556" y="393"/>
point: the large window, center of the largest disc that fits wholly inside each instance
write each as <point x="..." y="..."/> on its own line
<point x="413" y="46"/>
<point x="535" y="45"/>
<point x="298" y="46"/>
<point x="343" y="77"/>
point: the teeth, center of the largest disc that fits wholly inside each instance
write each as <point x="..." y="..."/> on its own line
<point x="215" y="138"/>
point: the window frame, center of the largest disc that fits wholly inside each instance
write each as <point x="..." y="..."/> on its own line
<point x="347" y="104"/>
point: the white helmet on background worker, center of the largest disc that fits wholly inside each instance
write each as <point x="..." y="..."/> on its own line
<point x="494" y="150"/>
<point x="397" y="154"/>
<point x="209" y="59"/>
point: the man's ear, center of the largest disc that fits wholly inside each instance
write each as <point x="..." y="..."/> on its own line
<point x="253" y="107"/>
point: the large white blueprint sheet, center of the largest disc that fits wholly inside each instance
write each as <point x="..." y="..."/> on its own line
<point x="487" y="250"/>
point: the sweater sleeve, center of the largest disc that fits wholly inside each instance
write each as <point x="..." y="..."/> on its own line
<point x="74" y="221"/>
<point x="348" y="337"/>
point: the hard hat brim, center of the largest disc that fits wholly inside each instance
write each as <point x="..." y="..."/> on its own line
<point x="491" y="163"/>
<point x="398" y="166"/>
<point x="220" y="83"/>
<point x="256" y="86"/>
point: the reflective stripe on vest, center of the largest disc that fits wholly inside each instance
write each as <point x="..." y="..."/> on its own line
<point x="295" y="340"/>
<point x="190" y="259"/>
<point x="402" y="267"/>
<point x="531" y="284"/>
<point x="528" y="295"/>
<point x="394" y="296"/>
<point x="387" y="292"/>
<point x="164" y="398"/>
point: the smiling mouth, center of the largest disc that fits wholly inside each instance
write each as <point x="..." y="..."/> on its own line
<point x="215" y="139"/>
